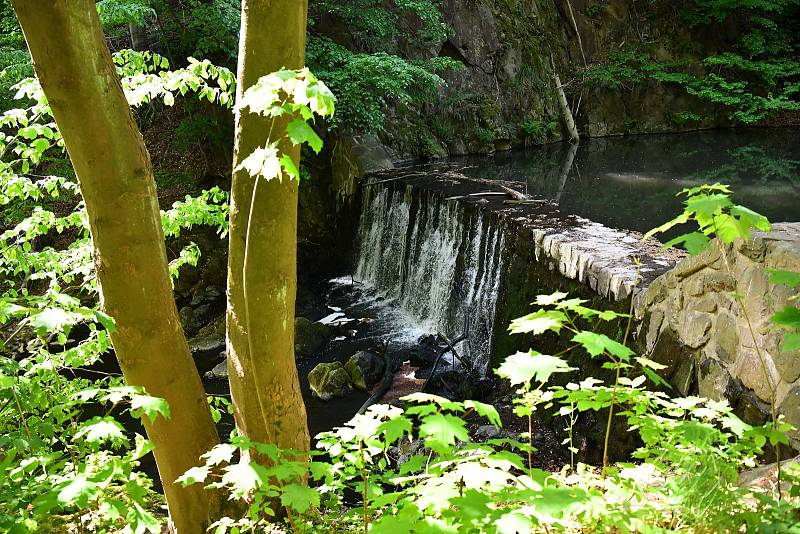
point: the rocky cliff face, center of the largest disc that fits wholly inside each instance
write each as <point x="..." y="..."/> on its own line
<point x="504" y="96"/>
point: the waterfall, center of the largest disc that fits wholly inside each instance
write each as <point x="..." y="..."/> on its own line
<point x="437" y="260"/>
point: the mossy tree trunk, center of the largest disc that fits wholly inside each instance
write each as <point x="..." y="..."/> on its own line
<point x="113" y="167"/>
<point x="262" y="264"/>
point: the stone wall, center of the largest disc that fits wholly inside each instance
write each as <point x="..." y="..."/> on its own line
<point x="691" y="323"/>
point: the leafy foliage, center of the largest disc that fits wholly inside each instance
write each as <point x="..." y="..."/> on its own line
<point x="296" y="96"/>
<point x="754" y="79"/>
<point x="415" y="468"/>
<point x="716" y="215"/>
<point x="64" y="452"/>
<point x="364" y="84"/>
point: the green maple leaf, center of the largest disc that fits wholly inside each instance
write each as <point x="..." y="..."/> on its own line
<point x="51" y="320"/>
<point x="596" y="344"/>
<point x="193" y="476"/>
<point x="300" y="132"/>
<point x="789" y="316"/>
<point x="145" y="405"/>
<point x="522" y="367"/>
<point x="441" y="430"/>
<point x="791" y="341"/>
<point x="548" y="300"/>
<point x="513" y="523"/>
<point x="77" y="492"/>
<point x="245" y="477"/>
<point x="706" y="206"/>
<point x="100" y="430"/>
<point x="219" y="454"/>
<point x="486" y="410"/>
<point x="395" y="428"/>
<point x="538" y="322"/>
<point x="694" y="242"/>
<point x="776" y="276"/>
<point x="299" y="497"/>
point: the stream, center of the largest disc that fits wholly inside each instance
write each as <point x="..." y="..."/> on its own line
<point x="423" y="265"/>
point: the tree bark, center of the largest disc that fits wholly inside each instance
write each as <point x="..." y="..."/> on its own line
<point x="113" y="167"/>
<point x="569" y="121"/>
<point x="262" y="262"/>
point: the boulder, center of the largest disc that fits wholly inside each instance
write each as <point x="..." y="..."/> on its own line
<point x="485" y="432"/>
<point x="716" y="383"/>
<point x="215" y="328"/>
<point x="365" y="369"/>
<point x="193" y="319"/>
<point x="694" y="328"/>
<point x="207" y="351"/>
<point x="790" y="407"/>
<point x="329" y="380"/>
<point x="309" y="337"/>
<point x="207" y="295"/>
<point x="219" y="371"/>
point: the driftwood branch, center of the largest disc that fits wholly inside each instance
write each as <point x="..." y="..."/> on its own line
<point x="501" y="184"/>
<point x="449" y="345"/>
<point x="386" y="381"/>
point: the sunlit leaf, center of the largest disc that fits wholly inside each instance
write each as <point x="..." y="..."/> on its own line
<point x="549" y="300"/>
<point x="244" y="477"/>
<point x="522" y="367"/>
<point x="221" y="453"/>
<point x="596" y="344"/>
<point x="788" y="278"/>
<point x="300" y="132"/>
<point x="395" y="428"/>
<point x="51" y="320"/>
<point x="443" y="430"/>
<point x="194" y="475"/>
<point x="791" y="341"/>
<point x="693" y="242"/>
<point x="101" y="430"/>
<point x="789" y="316"/>
<point x="486" y="410"/>
<point x="151" y="407"/>
<point x="299" y="497"/>
<point x="539" y="322"/>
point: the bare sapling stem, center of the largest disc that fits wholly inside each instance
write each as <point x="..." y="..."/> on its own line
<point x="772" y="388"/>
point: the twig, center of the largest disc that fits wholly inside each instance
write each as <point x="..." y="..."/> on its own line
<point x="386" y="382"/>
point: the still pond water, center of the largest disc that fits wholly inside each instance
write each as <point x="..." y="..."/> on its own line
<point x="632" y="182"/>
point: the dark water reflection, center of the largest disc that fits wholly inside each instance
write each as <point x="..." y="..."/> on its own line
<point x="631" y="182"/>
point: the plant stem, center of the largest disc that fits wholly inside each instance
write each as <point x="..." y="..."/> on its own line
<point x="772" y="389"/>
<point x="610" y="416"/>
<point x="530" y="445"/>
<point x="365" y="491"/>
<point x="616" y="377"/>
<point x="572" y="419"/>
<point x="21" y="412"/>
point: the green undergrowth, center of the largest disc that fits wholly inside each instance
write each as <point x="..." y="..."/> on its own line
<point x="752" y="77"/>
<point x="416" y="469"/>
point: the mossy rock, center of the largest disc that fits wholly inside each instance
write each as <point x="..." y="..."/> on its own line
<point x="365" y="369"/>
<point x="309" y="337"/>
<point x="329" y="380"/>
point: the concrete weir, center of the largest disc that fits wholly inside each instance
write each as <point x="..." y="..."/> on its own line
<point x="444" y="247"/>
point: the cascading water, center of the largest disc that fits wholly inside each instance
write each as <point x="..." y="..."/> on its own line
<point x="437" y="260"/>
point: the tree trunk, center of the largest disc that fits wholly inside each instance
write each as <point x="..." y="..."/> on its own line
<point x="113" y="167"/>
<point x="569" y="121"/>
<point x="262" y="264"/>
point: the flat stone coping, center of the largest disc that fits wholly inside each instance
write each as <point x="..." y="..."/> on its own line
<point x="615" y="263"/>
